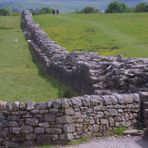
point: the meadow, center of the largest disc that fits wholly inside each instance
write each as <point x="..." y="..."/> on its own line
<point x="20" y="76"/>
<point x="106" y="34"/>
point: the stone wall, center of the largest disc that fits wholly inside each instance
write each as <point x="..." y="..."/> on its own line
<point x="144" y="99"/>
<point x="86" y="72"/>
<point x="60" y="121"/>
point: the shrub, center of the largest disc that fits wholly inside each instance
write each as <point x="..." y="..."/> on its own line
<point x="116" y="7"/>
<point x="119" y="131"/>
<point x="4" y="12"/>
<point x="89" y="10"/>
<point x="44" y="10"/>
<point x="141" y="7"/>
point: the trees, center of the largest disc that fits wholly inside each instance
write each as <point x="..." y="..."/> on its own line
<point x="141" y="7"/>
<point x="44" y="10"/>
<point x="89" y="10"/>
<point x="116" y="7"/>
<point x="4" y="12"/>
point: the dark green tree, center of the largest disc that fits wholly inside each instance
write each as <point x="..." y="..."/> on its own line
<point x="141" y="7"/>
<point x="4" y="12"/>
<point x="117" y="7"/>
<point x="89" y="10"/>
<point x="45" y="10"/>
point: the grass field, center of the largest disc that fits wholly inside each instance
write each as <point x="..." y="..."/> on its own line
<point x="20" y="78"/>
<point x="107" y="34"/>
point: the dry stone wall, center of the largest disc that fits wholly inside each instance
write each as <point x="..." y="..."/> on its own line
<point x="87" y="73"/>
<point x="60" y="121"/>
<point x="105" y="80"/>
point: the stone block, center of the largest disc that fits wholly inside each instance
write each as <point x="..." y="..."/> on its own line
<point x="69" y="111"/>
<point x="44" y="124"/>
<point x="53" y="130"/>
<point x="64" y="120"/>
<point x="40" y="106"/>
<point x="113" y="112"/>
<point x="49" y="117"/>
<point x="31" y="136"/>
<point x="30" y="105"/>
<point x="26" y="129"/>
<point x="16" y="130"/>
<point x="39" y="130"/>
<point x="68" y="128"/>
<point x="32" y="121"/>
<point x="44" y="139"/>
<point x="54" y="137"/>
<point x="57" y="104"/>
<point x="66" y="137"/>
<point x="104" y="121"/>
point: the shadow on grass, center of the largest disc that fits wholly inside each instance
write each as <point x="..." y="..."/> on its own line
<point x="64" y="91"/>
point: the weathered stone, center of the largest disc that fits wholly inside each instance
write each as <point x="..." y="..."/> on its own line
<point x="69" y="111"/>
<point x="44" y="139"/>
<point x="9" y="107"/>
<point x="16" y="130"/>
<point x="111" y="122"/>
<point x="104" y="121"/>
<point x="13" y="123"/>
<point x="40" y="106"/>
<point x="49" y="104"/>
<point x="53" y="130"/>
<point x="133" y="132"/>
<point x="120" y="110"/>
<point x="30" y="105"/>
<point x="113" y="112"/>
<point x="29" y="143"/>
<point x="13" y="118"/>
<point x="68" y="128"/>
<point x="66" y="136"/>
<point x="64" y="119"/>
<point x="44" y="124"/>
<point x="49" y="117"/>
<point x="22" y="105"/>
<point x="57" y="104"/>
<point x="31" y="136"/>
<point x="100" y="114"/>
<point x="32" y="122"/>
<point x="39" y="130"/>
<point x="13" y="145"/>
<point x="26" y="129"/>
<point x="54" y="137"/>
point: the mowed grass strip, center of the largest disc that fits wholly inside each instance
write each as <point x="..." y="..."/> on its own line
<point x="108" y="34"/>
<point x="20" y="77"/>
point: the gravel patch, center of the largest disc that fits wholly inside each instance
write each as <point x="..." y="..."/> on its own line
<point x="114" y="142"/>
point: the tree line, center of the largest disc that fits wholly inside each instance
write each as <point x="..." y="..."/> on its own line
<point x="113" y="7"/>
<point x="8" y="12"/>
<point x="118" y="7"/>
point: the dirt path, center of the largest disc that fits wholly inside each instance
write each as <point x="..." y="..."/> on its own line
<point x="114" y="142"/>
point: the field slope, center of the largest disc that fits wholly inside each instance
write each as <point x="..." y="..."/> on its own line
<point x="20" y="78"/>
<point x="107" y="34"/>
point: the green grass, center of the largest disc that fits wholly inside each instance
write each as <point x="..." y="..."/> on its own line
<point x="20" y="77"/>
<point x="107" y="34"/>
<point x="79" y="141"/>
<point x="119" y="131"/>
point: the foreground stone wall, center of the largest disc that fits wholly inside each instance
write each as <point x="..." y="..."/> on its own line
<point x="58" y="122"/>
<point x="87" y="73"/>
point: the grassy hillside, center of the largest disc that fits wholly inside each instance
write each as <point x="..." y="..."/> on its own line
<point x="107" y="34"/>
<point x="20" y="78"/>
